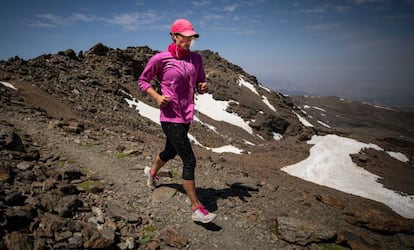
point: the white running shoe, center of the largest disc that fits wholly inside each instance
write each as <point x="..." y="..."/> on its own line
<point x="202" y="215"/>
<point x="151" y="179"/>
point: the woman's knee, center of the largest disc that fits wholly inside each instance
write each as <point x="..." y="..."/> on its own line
<point x="166" y="156"/>
<point x="188" y="172"/>
<point x="189" y="168"/>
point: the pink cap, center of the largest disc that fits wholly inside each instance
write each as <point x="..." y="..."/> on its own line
<point x="183" y="27"/>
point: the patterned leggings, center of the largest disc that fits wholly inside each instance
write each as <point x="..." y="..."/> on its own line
<point x="178" y="143"/>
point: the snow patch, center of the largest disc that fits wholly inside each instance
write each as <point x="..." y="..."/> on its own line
<point x="331" y="165"/>
<point x="8" y="85"/>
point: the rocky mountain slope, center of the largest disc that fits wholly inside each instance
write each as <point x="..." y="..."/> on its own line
<point x="358" y="119"/>
<point x="73" y="151"/>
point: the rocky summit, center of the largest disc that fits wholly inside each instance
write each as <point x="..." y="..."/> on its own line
<point x="76" y="133"/>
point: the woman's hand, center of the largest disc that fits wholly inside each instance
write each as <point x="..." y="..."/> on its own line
<point x="202" y="87"/>
<point x="163" y="100"/>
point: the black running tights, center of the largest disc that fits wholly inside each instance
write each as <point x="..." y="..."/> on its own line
<point x="178" y="143"/>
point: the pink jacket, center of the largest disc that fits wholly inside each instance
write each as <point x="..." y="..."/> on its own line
<point x="178" y="79"/>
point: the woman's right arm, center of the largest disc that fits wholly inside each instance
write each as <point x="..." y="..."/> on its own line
<point x="150" y="71"/>
<point x="144" y="81"/>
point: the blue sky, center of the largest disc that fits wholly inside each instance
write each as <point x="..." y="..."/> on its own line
<point x="358" y="49"/>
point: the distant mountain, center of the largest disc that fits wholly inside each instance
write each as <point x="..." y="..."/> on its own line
<point x="357" y="118"/>
<point x="293" y="92"/>
<point x="387" y="97"/>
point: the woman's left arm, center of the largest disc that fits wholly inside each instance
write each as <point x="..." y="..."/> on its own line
<point x="202" y="85"/>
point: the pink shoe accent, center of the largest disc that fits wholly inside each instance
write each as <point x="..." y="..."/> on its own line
<point x="202" y="209"/>
<point x="154" y="177"/>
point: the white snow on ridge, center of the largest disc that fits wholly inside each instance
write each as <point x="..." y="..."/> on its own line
<point x="145" y="110"/>
<point x="8" y="85"/>
<point x="398" y="156"/>
<point x="248" y="143"/>
<point x="320" y="109"/>
<point x="324" y="124"/>
<point x="227" y="148"/>
<point x="263" y="87"/>
<point x="211" y="127"/>
<point x="266" y="101"/>
<point x="277" y="136"/>
<point x="222" y="149"/>
<point x="303" y="120"/>
<point x="247" y="84"/>
<point x="330" y="164"/>
<point x="217" y="110"/>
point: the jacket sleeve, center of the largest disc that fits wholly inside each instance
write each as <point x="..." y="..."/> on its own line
<point x="201" y="75"/>
<point x="150" y="71"/>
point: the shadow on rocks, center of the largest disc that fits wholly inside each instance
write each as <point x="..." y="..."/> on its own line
<point x="211" y="226"/>
<point x="209" y="196"/>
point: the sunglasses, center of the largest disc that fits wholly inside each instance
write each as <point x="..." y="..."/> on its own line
<point x="187" y="37"/>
